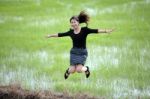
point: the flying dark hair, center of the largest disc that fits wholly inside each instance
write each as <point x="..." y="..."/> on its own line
<point x="83" y="17"/>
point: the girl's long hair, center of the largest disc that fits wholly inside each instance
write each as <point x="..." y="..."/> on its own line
<point x="83" y="17"/>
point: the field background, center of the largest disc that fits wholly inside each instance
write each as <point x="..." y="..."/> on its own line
<point x="119" y="62"/>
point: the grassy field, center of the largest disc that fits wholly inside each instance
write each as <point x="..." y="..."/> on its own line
<point x="119" y="62"/>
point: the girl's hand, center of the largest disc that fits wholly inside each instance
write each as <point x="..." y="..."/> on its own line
<point x="109" y="30"/>
<point x="48" y="36"/>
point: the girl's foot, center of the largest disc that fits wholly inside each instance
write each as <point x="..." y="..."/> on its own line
<point x="66" y="75"/>
<point x="87" y="72"/>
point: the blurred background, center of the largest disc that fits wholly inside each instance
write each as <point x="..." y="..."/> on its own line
<point x="119" y="62"/>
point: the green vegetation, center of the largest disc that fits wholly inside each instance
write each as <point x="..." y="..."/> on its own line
<point x="119" y="62"/>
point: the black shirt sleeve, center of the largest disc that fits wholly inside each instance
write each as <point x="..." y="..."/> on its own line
<point x="64" y="34"/>
<point x="90" y="31"/>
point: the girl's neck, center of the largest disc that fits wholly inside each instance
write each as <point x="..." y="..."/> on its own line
<point x="77" y="30"/>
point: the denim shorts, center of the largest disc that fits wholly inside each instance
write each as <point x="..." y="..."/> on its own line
<point x="78" y="56"/>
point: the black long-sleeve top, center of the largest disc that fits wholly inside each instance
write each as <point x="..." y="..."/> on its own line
<point x="79" y="40"/>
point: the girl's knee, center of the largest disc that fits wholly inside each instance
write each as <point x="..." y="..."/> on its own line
<point x="72" y="69"/>
<point x="79" y="68"/>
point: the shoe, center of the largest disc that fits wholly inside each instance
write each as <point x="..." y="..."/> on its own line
<point x="87" y="72"/>
<point x="66" y="75"/>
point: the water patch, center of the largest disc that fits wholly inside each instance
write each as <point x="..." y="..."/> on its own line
<point x="38" y="2"/>
<point x="42" y="55"/>
<point x="91" y="11"/>
<point x="48" y="22"/>
<point x="27" y="78"/>
<point x="17" y="18"/>
<point x="106" y="10"/>
<point x="113" y="56"/>
<point x="126" y="7"/>
<point x="144" y="60"/>
<point x="65" y="55"/>
<point x="147" y="1"/>
<point x="100" y="83"/>
<point x="2" y="20"/>
<point x="120" y="88"/>
<point x="61" y="3"/>
<point x="139" y="93"/>
<point x="43" y="58"/>
<point x="103" y="56"/>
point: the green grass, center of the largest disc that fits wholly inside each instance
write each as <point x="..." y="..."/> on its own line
<point x="119" y="62"/>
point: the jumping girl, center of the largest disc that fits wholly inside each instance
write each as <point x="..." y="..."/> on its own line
<point x="78" y="53"/>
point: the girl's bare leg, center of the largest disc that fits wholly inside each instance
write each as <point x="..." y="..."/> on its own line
<point x="71" y="69"/>
<point x="80" y="68"/>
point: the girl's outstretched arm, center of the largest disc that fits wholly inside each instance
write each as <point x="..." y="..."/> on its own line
<point x="51" y="35"/>
<point x="105" y="30"/>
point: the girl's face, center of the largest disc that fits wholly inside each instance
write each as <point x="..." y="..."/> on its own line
<point x="74" y="24"/>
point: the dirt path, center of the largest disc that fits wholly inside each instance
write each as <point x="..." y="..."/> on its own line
<point x="16" y="92"/>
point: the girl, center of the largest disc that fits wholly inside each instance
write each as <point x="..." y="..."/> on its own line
<point x="78" y="53"/>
